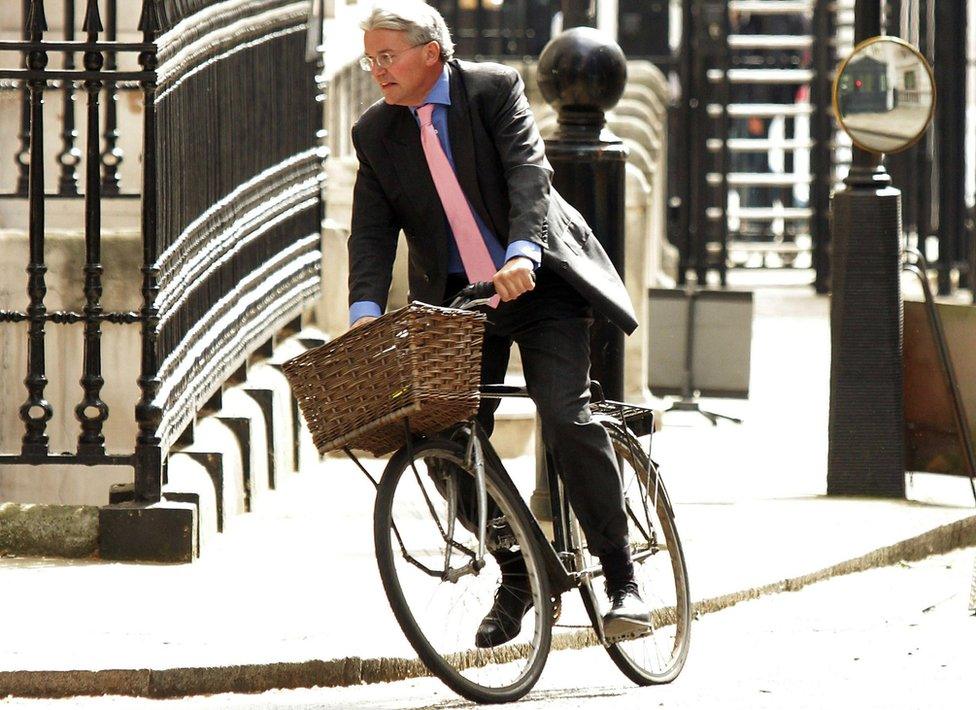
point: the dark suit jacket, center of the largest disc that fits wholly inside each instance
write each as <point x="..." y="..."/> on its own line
<point x="502" y="168"/>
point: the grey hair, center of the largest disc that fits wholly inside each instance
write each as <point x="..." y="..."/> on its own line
<point x="420" y="21"/>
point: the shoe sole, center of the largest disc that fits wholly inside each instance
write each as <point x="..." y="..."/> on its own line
<point x="617" y="630"/>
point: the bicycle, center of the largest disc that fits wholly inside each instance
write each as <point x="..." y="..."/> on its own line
<point x="440" y="576"/>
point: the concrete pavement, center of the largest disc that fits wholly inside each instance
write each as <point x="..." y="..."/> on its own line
<point x="289" y="595"/>
<point x="895" y="638"/>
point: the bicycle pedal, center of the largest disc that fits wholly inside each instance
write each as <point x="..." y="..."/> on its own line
<point x="623" y="630"/>
<point x="557" y="608"/>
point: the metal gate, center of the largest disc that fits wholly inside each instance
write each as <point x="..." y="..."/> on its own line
<point x="756" y="101"/>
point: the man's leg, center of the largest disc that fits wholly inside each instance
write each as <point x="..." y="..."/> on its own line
<point x="556" y="360"/>
<point x="555" y="356"/>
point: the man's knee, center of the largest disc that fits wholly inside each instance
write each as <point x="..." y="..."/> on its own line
<point x="562" y="423"/>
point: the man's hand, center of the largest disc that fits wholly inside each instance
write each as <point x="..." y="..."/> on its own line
<point x="515" y="278"/>
<point x="362" y="321"/>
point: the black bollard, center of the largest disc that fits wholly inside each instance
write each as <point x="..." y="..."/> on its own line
<point x="582" y="75"/>
<point x="866" y="450"/>
<point x="578" y="13"/>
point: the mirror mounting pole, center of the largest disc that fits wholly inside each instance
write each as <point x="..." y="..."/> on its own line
<point x="867" y="168"/>
<point x="866" y="422"/>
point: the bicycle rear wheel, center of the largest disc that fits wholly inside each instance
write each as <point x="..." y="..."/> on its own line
<point x="425" y="557"/>
<point x="659" y="567"/>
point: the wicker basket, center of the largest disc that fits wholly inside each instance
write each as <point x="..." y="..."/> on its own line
<point x="420" y="362"/>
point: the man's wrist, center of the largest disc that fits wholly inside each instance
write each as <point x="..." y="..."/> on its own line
<point x="361" y="309"/>
<point x="524" y="248"/>
<point x="519" y="257"/>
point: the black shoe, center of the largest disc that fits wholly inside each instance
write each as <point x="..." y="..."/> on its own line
<point x="629" y="616"/>
<point x="512" y="602"/>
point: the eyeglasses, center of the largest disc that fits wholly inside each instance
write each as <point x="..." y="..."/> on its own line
<point x="384" y="60"/>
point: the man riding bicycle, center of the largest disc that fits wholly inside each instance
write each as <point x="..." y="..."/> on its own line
<point x="452" y="157"/>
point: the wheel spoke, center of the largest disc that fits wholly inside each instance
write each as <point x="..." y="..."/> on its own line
<point x="421" y="523"/>
<point x="658" y="656"/>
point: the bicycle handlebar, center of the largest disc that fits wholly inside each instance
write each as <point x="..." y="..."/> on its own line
<point x="473" y="295"/>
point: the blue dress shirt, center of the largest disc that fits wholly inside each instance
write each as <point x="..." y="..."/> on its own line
<point x="440" y="96"/>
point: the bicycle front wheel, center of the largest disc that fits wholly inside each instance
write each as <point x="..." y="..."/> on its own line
<point x="426" y="549"/>
<point x="659" y="568"/>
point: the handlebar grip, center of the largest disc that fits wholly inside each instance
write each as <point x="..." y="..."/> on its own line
<point x="472" y="295"/>
<point x="479" y="290"/>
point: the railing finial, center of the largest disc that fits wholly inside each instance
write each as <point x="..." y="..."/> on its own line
<point x="93" y="19"/>
<point x="149" y="23"/>
<point x="36" y="19"/>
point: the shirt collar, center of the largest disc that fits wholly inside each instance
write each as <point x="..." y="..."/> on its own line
<point x="440" y="92"/>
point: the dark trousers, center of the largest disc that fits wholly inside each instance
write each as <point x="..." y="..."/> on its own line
<point x="551" y="327"/>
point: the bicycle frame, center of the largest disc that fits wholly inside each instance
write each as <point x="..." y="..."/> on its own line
<point x="478" y="450"/>
<point x="560" y="577"/>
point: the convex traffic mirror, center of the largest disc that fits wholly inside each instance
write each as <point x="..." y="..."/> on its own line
<point x="884" y="95"/>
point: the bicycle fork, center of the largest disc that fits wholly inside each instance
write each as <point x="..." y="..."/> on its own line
<point x="474" y="461"/>
<point x="478" y="457"/>
<point x="474" y="457"/>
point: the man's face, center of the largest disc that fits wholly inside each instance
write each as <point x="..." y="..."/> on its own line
<point x="408" y="80"/>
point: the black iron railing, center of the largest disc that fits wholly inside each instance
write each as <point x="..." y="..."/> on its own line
<point x="824" y="58"/>
<point x="231" y="202"/>
<point x="488" y="28"/>
<point x="64" y="54"/>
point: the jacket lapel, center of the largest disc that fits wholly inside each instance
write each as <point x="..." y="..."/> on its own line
<point x="410" y="165"/>
<point x="462" y="145"/>
<point x="403" y="143"/>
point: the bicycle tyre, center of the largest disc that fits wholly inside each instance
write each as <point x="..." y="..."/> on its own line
<point x="631" y="656"/>
<point x="450" y="654"/>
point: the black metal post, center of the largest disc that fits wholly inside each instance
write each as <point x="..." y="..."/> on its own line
<point x="866" y="454"/>
<point x="69" y="156"/>
<point x="112" y="155"/>
<point x="36" y="411"/>
<point x="23" y="153"/>
<point x="950" y="132"/>
<point x="891" y="18"/>
<point x="92" y="411"/>
<point x="455" y="15"/>
<point x="642" y="30"/>
<point x="925" y="149"/>
<point x="681" y="137"/>
<point x="578" y="13"/>
<point x="697" y="155"/>
<point x="822" y="129"/>
<point x="705" y="34"/>
<point x="716" y="24"/>
<point x="148" y="454"/>
<point x="582" y="75"/>
<point x="901" y="165"/>
<point x="479" y="24"/>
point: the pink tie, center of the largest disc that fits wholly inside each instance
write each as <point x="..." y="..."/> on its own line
<point x="477" y="262"/>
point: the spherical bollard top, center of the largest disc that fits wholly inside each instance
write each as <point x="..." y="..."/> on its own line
<point x="581" y="69"/>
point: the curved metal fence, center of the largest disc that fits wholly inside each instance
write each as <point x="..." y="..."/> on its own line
<point x="232" y="171"/>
